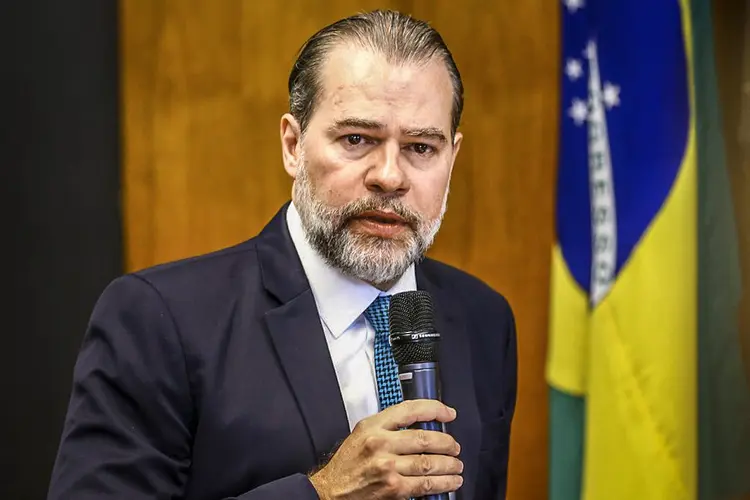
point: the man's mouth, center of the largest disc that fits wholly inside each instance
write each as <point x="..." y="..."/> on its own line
<point x="381" y="217"/>
<point x="380" y="224"/>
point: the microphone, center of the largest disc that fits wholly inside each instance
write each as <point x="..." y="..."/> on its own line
<point x="415" y="344"/>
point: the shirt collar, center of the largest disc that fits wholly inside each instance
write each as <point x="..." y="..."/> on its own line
<point x="340" y="299"/>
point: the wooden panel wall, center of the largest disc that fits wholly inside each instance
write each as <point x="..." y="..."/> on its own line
<point x="204" y="86"/>
<point x="731" y="22"/>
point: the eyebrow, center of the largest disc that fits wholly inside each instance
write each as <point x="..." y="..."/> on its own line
<point x="433" y="133"/>
<point x="426" y="133"/>
<point x="356" y="123"/>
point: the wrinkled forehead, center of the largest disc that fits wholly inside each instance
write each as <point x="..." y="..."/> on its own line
<point x="361" y="83"/>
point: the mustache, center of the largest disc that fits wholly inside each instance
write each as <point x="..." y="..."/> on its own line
<point x="356" y="208"/>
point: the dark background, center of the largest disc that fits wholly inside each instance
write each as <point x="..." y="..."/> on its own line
<point x="61" y="238"/>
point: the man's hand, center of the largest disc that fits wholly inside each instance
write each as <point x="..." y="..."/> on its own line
<point x="379" y="461"/>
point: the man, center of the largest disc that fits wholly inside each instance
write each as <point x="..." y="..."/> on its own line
<point x="257" y="372"/>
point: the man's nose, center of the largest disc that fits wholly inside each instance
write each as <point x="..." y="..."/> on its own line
<point x="386" y="175"/>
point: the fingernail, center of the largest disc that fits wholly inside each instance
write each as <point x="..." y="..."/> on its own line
<point x="453" y="411"/>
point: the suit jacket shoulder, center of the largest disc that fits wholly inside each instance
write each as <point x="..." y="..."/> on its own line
<point x="474" y="295"/>
<point x="201" y="272"/>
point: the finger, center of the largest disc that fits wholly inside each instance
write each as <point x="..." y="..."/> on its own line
<point x="417" y="410"/>
<point x="431" y="485"/>
<point x="413" y="441"/>
<point x="428" y="465"/>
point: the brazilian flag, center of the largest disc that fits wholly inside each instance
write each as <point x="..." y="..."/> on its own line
<point x="648" y="398"/>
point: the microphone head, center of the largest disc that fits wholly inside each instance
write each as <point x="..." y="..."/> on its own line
<point x="413" y="337"/>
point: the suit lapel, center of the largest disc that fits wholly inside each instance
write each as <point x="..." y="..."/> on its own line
<point x="298" y="338"/>
<point x="457" y="378"/>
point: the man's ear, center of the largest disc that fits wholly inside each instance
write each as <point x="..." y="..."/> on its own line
<point x="457" y="140"/>
<point x="291" y="139"/>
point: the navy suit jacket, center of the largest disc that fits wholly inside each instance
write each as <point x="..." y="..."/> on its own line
<point x="210" y="378"/>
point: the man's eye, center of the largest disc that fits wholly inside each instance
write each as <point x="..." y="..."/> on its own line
<point x="422" y="149"/>
<point x="354" y="139"/>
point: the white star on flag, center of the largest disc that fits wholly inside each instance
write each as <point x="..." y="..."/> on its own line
<point x="611" y="95"/>
<point x="573" y="69"/>
<point x="579" y="112"/>
<point x="573" y="5"/>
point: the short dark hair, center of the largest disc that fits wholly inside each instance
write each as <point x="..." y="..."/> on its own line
<point x="398" y="37"/>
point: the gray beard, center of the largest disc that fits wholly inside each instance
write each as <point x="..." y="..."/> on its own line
<point x="369" y="258"/>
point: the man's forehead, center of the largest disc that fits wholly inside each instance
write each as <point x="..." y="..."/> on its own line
<point x="359" y="81"/>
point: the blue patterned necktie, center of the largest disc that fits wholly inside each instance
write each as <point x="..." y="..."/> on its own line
<point x="386" y="370"/>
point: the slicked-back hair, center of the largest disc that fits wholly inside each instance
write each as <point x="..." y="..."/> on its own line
<point x="400" y="38"/>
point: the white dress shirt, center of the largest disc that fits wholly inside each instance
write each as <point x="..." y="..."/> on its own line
<point x="341" y="302"/>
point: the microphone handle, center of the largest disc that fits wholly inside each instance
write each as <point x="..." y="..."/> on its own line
<point x="422" y="381"/>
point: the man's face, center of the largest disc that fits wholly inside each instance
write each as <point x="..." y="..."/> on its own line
<point x="373" y="168"/>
